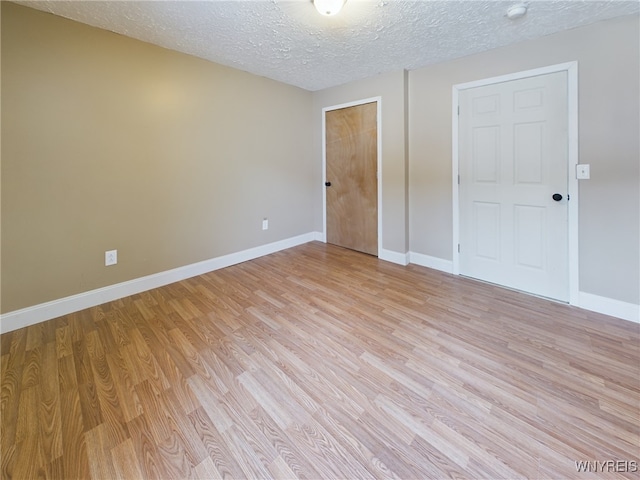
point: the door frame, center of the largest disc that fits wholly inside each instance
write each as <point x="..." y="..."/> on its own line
<point x="355" y="103"/>
<point x="572" y="160"/>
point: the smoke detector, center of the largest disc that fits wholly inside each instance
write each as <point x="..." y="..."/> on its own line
<point x="517" y="11"/>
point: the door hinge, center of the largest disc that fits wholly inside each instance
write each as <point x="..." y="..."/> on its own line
<point x="458" y="179"/>
<point x="458" y="248"/>
<point x="458" y="110"/>
<point x="568" y="197"/>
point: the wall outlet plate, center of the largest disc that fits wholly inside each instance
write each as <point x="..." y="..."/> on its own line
<point x="265" y="224"/>
<point x="110" y="257"/>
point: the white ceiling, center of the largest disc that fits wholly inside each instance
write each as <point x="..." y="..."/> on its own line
<point x="288" y="41"/>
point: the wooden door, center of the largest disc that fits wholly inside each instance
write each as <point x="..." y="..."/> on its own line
<point x="514" y="183"/>
<point x="351" y="175"/>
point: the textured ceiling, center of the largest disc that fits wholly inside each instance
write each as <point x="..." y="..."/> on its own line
<point x="288" y="41"/>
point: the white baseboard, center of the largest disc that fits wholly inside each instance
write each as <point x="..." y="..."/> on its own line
<point x="46" y="311"/>
<point x="609" y="306"/>
<point x="588" y="301"/>
<point x="393" y="257"/>
<point x="431" y="262"/>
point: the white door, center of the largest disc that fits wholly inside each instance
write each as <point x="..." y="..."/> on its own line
<point x="513" y="165"/>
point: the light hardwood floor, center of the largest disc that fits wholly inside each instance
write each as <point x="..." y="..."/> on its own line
<point x="319" y="362"/>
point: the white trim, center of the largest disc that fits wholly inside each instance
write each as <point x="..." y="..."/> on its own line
<point x="324" y="176"/>
<point x="46" y="311"/>
<point x="572" y="160"/>
<point x="394" y="257"/>
<point x="378" y="101"/>
<point x="455" y="108"/>
<point x="586" y="301"/>
<point x="609" y="306"/>
<point x="316" y="237"/>
<point x="431" y="262"/>
<point x="560" y="67"/>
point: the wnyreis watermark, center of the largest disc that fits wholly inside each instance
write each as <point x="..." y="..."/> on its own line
<point x="607" y="466"/>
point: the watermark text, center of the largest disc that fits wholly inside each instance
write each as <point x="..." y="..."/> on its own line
<point x="607" y="466"/>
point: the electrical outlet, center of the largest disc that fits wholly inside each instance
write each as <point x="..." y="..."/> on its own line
<point x="265" y="224"/>
<point x="110" y="257"/>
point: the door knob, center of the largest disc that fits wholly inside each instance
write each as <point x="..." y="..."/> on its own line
<point x="557" y="197"/>
<point x="327" y="184"/>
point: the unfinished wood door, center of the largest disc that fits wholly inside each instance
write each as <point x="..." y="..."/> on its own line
<point x="352" y="185"/>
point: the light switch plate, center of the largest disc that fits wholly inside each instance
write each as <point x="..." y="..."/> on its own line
<point x="583" y="171"/>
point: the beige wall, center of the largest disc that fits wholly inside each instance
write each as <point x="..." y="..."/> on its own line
<point x="391" y="88"/>
<point x="608" y="68"/>
<point x="108" y="143"/>
<point x="111" y="143"/>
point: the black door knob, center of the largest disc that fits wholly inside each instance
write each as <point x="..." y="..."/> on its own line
<point x="327" y="184"/>
<point x="557" y="197"/>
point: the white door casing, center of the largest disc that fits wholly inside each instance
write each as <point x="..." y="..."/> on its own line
<point x="513" y="156"/>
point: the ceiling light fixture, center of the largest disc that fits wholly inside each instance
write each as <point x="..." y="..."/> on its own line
<point x="328" y="7"/>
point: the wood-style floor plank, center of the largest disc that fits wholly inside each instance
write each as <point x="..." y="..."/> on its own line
<point x="320" y="362"/>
